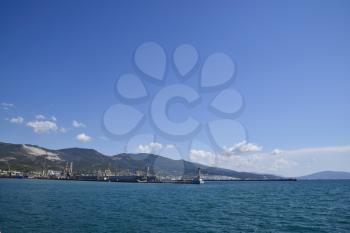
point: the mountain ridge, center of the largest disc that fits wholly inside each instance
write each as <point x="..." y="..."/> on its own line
<point x="27" y="158"/>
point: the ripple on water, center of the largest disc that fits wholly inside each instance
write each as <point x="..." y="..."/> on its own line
<point x="60" y="206"/>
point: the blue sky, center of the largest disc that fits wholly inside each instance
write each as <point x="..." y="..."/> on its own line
<point x="292" y="61"/>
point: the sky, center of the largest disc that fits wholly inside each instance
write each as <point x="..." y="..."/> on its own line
<point x="288" y="63"/>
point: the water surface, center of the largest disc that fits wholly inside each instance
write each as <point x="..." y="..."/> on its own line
<point x="71" y="206"/>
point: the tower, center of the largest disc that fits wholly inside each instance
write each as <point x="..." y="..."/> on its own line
<point x="71" y="169"/>
<point x="147" y="172"/>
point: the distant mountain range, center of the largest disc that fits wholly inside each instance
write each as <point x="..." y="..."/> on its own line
<point x="27" y="158"/>
<point x="327" y="175"/>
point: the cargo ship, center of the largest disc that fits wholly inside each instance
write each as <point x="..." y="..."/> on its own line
<point x="197" y="180"/>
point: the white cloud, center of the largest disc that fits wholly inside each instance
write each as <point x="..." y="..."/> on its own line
<point x="318" y="150"/>
<point x="281" y="163"/>
<point x="262" y="163"/>
<point x="169" y="146"/>
<point x="17" y="120"/>
<point x="63" y="130"/>
<point x="43" y="126"/>
<point x="83" y="137"/>
<point x="53" y="118"/>
<point x="290" y="163"/>
<point x="277" y="152"/>
<point x="152" y="147"/>
<point x="40" y="117"/>
<point x="6" y="106"/>
<point x="202" y="156"/>
<point x="242" y="156"/>
<point x="312" y="159"/>
<point x="77" y="124"/>
<point x="241" y="148"/>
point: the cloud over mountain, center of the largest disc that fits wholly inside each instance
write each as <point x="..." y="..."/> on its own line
<point x="83" y="137"/>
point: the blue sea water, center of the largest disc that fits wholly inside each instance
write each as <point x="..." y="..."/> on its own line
<point x="70" y="206"/>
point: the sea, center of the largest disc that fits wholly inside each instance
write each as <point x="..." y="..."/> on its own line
<point x="49" y="206"/>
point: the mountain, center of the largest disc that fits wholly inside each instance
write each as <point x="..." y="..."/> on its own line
<point x="28" y="158"/>
<point x="327" y="175"/>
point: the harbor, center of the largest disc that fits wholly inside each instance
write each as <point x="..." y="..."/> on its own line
<point x="137" y="176"/>
<point x="103" y="176"/>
